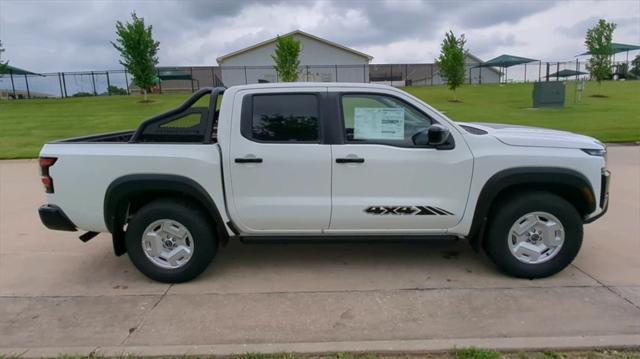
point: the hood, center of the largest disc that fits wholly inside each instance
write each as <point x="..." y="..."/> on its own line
<point x="515" y="135"/>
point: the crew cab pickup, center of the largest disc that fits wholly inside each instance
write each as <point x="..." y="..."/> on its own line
<point x="324" y="162"/>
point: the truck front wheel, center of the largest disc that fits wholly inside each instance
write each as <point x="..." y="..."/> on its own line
<point x="533" y="235"/>
<point x="171" y="241"/>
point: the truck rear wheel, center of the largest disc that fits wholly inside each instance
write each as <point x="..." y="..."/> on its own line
<point x="171" y="241"/>
<point x="534" y="235"/>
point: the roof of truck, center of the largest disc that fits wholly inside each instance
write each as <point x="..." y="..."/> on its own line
<point x="311" y="84"/>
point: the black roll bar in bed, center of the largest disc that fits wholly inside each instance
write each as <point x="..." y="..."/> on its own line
<point x="155" y="129"/>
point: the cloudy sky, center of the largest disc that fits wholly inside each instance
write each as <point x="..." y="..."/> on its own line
<point x="50" y="35"/>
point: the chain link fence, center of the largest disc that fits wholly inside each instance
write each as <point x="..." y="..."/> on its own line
<point x="191" y="78"/>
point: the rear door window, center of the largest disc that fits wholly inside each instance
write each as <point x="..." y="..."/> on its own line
<point x="283" y="118"/>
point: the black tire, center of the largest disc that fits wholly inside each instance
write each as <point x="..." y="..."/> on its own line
<point x="205" y="242"/>
<point x="514" y="207"/>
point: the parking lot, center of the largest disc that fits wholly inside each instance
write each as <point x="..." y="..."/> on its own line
<point x="59" y="295"/>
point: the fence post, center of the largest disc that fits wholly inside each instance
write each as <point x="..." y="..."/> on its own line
<point x="525" y="73"/>
<point x="60" y="83"/>
<point x="93" y="81"/>
<point x="557" y="71"/>
<point x="108" y="83"/>
<point x="480" y="75"/>
<point x="191" y="72"/>
<point x="13" y="86"/>
<point x="391" y="74"/>
<point x="245" y="76"/>
<point x="548" y="71"/>
<point x="64" y="85"/>
<point x="539" y="70"/>
<point x="26" y="81"/>
<point x="213" y="78"/>
<point x="577" y="69"/>
<point x="469" y="75"/>
<point x="126" y="80"/>
<point x="160" y="80"/>
<point x="336" y="72"/>
<point x="431" y="74"/>
<point x="406" y="73"/>
<point x="364" y="73"/>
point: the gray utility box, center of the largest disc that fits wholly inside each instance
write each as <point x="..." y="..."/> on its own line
<point x="548" y="94"/>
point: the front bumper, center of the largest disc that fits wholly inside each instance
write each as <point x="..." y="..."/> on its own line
<point x="604" y="196"/>
<point x="54" y="218"/>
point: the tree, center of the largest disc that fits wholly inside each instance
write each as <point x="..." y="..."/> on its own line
<point x="138" y="50"/>
<point x="451" y="61"/>
<point x="286" y="58"/>
<point x="598" y="42"/>
<point x="3" y="65"/>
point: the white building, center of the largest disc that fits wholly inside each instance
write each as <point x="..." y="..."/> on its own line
<point x="320" y="60"/>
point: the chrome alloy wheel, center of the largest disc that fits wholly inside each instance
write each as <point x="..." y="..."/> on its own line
<point x="167" y="244"/>
<point x="536" y="237"/>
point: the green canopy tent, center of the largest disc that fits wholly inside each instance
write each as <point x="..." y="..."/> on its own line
<point x="567" y="73"/>
<point x="506" y="61"/>
<point x="12" y="70"/>
<point x="618" y="48"/>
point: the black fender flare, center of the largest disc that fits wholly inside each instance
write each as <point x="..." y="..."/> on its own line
<point x="519" y="176"/>
<point x="125" y="187"/>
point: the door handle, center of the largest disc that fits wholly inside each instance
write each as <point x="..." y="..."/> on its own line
<point x="248" y="160"/>
<point x="350" y="160"/>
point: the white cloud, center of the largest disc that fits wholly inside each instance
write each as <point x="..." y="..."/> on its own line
<point x="71" y="35"/>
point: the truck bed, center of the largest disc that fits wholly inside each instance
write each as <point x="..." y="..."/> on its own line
<point x="117" y="137"/>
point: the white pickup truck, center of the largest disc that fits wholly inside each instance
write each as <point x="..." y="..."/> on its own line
<point x="324" y="162"/>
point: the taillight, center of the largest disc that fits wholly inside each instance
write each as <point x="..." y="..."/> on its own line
<point x="47" y="181"/>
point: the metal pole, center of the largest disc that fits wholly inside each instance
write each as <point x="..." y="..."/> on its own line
<point x="539" y="70"/>
<point x="364" y="73"/>
<point x="406" y="73"/>
<point x="431" y="66"/>
<point x="64" y="85"/>
<point x="426" y="73"/>
<point x="307" y="73"/>
<point x="557" y="71"/>
<point x="245" y="76"/>
<point x="60" y="83"/>
<point x="191" y="72"/>
<point x="108" y="83"/>
<point x="336" y="72"/>
<point x="577" y="70"/>
<point x="548" y="64"/>
<point x="391" y="74"/>
<point x="213" y="78"/>
<point x="126" y="80"/>
<point x="506" y="74"/>
<point x="13" y="86"/>
<point x="525" y="73"/>
<point x="93" y="81"/>
<point x="26" y="81"/>
<point x="469" y="75"/>
<point x="480" y="75"/>
<point x="160" y="80"/>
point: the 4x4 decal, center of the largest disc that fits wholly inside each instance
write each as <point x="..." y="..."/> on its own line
<point x="408" y="210"/>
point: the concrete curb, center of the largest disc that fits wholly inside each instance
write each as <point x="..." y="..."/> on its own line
<point x="380" y="346"/>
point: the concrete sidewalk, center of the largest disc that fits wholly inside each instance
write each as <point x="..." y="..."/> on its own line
<point x="58" y="295"/>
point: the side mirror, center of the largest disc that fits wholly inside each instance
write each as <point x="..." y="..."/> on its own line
<point x="436" y="135"/>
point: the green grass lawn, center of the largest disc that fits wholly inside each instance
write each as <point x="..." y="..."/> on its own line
<point x="25" y="125"/>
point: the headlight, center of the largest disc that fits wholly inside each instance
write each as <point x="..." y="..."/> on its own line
<point x="595" y="152"/>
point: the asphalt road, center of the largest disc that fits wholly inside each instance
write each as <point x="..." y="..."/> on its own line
<point x="59" y="295"/>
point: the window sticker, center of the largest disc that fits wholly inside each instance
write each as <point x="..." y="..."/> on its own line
<point x="378" y="123"/>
